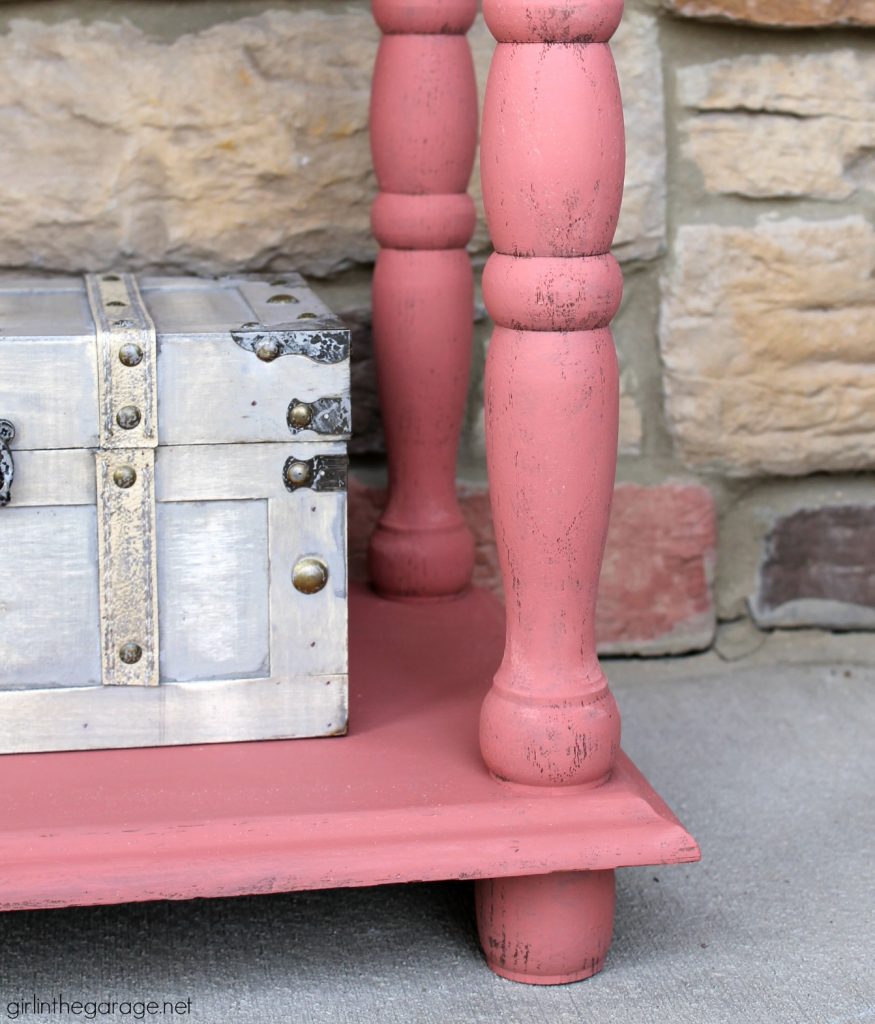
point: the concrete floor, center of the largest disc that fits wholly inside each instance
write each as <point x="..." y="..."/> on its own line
<point x="770" y="765"/>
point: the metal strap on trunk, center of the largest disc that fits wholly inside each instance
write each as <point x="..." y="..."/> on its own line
<point x="125" y="464"/>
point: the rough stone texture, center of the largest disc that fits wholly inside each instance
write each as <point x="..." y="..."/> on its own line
<point x="233" y="147"/>
<point x="240" y="146"/>
<point x="656" y="586"/>
<point x="641" y="231"/>
<point x="783" y="13"/>
<point x="737" y="640"/>
<point x="631" y="428"/>
<point x="783" y="125"/>
<point x="747" y="521"/>
<point x="767" y="336"/>
<point x="656" y="593"/>
<point x="818" y="569"/>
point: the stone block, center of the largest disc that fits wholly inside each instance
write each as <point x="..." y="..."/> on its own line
<point x="818" y="569"/>
<point x="240" y="146"/>
<point x="747" y="521"/>
<point x="766" y="337"/>
<point x="782" y="125"/>
<point x="780" y="13"/>
<point x="656" y="590"/>
<point x="641" y="232"/>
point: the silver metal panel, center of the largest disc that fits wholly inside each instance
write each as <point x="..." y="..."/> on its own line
<point x="44" y="308"/>
<point x="210" y="391"/>
<point x="49" y="608"/>
<point x="308" y="631"/>
<point x="191" y="308"/>
<point x="289" y="300"/>
<point x="60" y="476"/>
<point x="226" y="711"/>
<point x="48" y="389"/>
<point x="214" y="582"/>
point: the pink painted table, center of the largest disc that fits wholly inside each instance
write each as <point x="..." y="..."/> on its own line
<point x="404" y="797"/>
<point x="478" y="748"/>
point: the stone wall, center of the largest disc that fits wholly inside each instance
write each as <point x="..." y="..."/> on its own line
<point x="214" y="135"/>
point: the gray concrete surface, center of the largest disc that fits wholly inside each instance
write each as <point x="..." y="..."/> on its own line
<point x="771" y="766"/>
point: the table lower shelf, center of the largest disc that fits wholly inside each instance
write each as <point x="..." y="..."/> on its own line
<point x="403" y="797"/>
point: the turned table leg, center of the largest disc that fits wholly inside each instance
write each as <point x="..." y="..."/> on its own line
<point x="552" y="165"/>
<point x="423" y="138"/>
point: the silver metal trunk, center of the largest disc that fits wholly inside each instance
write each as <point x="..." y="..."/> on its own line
<point x="172" y="512"/>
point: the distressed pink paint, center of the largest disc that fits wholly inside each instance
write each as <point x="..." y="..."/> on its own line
<point x="423" y="138"/>
<point x="404" y="796"/>
<point x="552" y="167"/>
<point x="547" y="929"/>
<point x="551" y="415"/>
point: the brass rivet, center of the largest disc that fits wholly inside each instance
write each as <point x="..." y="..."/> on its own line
<point x="130" y="653"/>
<point x="128" y="417"/>
<point x="124" y="476"/>
<point x="267" y="349"/>
<point x="130" y="354"/>
<point x="298" y="473"/>
<point x="301" y="415"/>
<point x="309" y="575"/>
<point x="306" y="316"/>
<point x="283" y="297"/>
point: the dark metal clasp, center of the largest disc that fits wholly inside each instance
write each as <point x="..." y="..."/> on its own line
<point x="322" y="340"/>
<point x="322" y="416"/>
<point x="321" y="473"/>
<point x="7" y="466"/>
